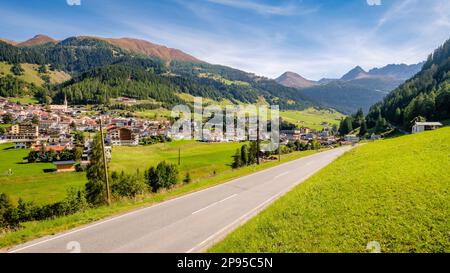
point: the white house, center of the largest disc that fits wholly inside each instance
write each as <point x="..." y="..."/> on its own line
<point x="351" y="138"/>
<point x="425" y="126"/>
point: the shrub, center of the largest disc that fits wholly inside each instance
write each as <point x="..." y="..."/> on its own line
<point x="11" y="216"/>
<point x="5" y="207"/>
<point x="128" y="185"/>
<point x="79" y="168"/>
<point x="75" y="201"/>
<point x="165" y="175"/>
<point x="187" y="179"/>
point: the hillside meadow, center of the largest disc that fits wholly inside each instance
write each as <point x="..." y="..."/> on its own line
<point x="394" y="192"/>
<point x="312" y="118"/>
<point x="31" y="74"/>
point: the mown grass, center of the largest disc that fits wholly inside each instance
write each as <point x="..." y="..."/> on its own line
<point x="30" y="181"/>
<point x="395" y="192"/>
<point x="199" y="159"/>
<point x="312" y="118"/>
<point x="32" y="230"/>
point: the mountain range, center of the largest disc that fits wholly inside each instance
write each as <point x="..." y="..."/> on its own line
<point x="131" y="45"/>
<point x="355" y="89"/>
<point x="105" y="68"/>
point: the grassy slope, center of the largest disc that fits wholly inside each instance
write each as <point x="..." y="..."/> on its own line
<point x="311" y="117"/>
<point x="395" y="192"/>
<point x="33" y="230"/>
<point x="31" y="74"/>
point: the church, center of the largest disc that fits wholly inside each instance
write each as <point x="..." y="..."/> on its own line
<point x="60" y="108"/>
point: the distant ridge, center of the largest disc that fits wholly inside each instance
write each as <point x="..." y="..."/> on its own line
<point x="291" y="79"/>
<point x="354" y="74"/>
<point x="131" y="45"/>
<point x="8" y="41"/>
<point x="357" y="88"/>
<point x="147" y="48"/>
<point x="39" y="39"/>
<point x="399" y="71"/>
<point x="151" y="49"/>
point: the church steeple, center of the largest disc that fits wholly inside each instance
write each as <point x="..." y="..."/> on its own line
<point x="65" y="102"/>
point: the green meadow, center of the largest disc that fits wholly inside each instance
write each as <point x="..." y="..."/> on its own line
<point x="395" y="192"/>
<point x="200" y="159"/>
<point x="31" y="74"/>
<point x="30" y="181"/>
<point x="312" y="118"/>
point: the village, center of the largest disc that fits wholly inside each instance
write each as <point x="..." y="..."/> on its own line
<point x="52" y="128"/>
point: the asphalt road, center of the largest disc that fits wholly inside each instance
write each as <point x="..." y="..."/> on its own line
<point x="190" y="223"/>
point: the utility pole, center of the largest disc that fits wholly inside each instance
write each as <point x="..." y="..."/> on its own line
<point x="279" y="151"/>
<point x="105" y="163"/>
<point x="257" y="140"/>
<point x="179" y="156"/>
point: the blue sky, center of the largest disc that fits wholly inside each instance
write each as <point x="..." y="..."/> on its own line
<point x="311" y="37"/>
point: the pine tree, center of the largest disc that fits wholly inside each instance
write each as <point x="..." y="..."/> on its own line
<point x="244" y="155"/>
<point x="17" y="69"/>
<point x="346" y="126"/>
<point x="363" y="129"/>
<point x="237" y="160"/>
<point x="95" y="173"/>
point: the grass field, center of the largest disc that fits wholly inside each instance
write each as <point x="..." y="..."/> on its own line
<point x="312" y="118"/>
<point x="155" y="114"/>
<point x="23" y="100"/>
<point x="395" y="192"/>
<point x="30" y="182"/>
<point x="200" y="159"/>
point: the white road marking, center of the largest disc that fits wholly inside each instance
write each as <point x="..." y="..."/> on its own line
<point x="111" y="219"/>
<point x="268" y="201"/>
<point x="280" y="175"/>
<point x="213" y="204"/>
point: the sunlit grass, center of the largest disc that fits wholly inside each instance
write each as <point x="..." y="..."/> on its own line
<point x="395" y="192"/>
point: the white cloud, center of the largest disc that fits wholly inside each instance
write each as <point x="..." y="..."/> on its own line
<point x="270" y="50"/>
<point x="73" y="2"/>
<point x="257" y="7"/>
<point x="374" y="2"/>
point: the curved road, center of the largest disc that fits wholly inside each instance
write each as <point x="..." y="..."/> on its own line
<point x="190" y="223"/>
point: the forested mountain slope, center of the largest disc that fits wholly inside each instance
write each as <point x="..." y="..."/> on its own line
<point x="133" y="68"/>
<point x="425" y="96"/>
